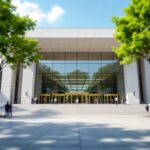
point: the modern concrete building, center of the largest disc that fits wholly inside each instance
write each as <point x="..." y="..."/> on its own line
<point x="76" y="64"/>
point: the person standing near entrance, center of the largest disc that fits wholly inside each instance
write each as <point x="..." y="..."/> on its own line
<point x="35" y="100"/>
<point x="55" y="100"/>
<point x="10" y="110"/>
<point x="7" y="110"/>
<point x="96" y="100"/>
<point x="147" y="107"/>
<point x="116" y="100"/>
<point x="77" y="101"/>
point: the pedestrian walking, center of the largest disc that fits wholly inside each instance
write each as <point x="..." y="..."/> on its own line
<point x="116" y="100"/>
<point x="147" y="107"/>
<point x="77" y="101"/>
<point x="124" y="101"/>
<point x="7" y="110"/>
<point x="32" y="100"/>
<point x="10" y="110"/>
<point x="55" y="100"/>
<point x="35" y="100"/>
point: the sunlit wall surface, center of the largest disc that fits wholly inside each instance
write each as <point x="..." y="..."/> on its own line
<point x="79" y="72"/>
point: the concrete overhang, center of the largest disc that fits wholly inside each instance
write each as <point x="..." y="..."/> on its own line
<point x="74" y="40"/>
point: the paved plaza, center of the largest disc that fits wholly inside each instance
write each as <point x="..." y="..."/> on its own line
<point x="76" y="127"/>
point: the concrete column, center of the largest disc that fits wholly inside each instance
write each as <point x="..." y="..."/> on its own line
<point x="145" y="70"/>
<point x="131" y="80"/>
<point x="20" y="84"/>
<point x="5" y="92"/>
<point x="13" y="85"/>
<point x="28" y="84"/>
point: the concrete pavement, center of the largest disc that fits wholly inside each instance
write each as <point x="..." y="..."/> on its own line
<point x="76" y="127"/>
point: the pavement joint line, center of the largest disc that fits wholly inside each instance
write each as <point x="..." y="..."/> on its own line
<point x="75" y="125"/>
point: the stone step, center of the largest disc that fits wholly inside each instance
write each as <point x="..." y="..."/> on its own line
<point x="70" y="110"/>
<point x="91" y="107"/>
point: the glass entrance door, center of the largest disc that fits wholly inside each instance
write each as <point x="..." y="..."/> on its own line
<point x="110" y="98"/>
<point x="83" y="98"/>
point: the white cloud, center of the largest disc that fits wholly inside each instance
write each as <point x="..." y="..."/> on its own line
<point x="56" y="13"/>
<point x="31" y="9"/>
<point x="34" y="11"/>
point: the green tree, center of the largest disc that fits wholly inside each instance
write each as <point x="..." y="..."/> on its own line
<point x="133" y="32"/>
<point x="15" y="48"/>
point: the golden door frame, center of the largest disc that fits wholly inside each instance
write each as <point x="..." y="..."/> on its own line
<point x="85" y="98"/>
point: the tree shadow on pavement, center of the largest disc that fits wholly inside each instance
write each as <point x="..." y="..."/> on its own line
<point x="24" y="135"/>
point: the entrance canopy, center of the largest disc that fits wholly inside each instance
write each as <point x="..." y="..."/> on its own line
<point x="74" y="40"/>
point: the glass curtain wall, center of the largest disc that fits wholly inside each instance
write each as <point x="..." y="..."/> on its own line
<point x="79" y="72"/>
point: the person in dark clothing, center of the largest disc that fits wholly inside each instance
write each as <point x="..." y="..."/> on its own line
<point x="10" y="110"/>
<point x="7" y="110"/>
<point x="147" y="108"/>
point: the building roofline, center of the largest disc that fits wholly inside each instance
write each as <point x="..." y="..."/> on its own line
<point x="71" y="33"/>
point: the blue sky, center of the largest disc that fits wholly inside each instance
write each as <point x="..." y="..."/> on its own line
<point x="72" y="13"/>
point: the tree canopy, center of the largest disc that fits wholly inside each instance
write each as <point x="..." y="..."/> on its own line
<point x="133" y="32"/>
<point x="14" y="46"/>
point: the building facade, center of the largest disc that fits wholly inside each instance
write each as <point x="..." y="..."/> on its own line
<point x="76" y="64"/>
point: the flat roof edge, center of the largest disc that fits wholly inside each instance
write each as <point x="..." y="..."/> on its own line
<point x="70" y="33"/>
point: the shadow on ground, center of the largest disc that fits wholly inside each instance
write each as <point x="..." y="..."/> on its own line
<point x="70" y="136"/>
<point x="27" y="132"/>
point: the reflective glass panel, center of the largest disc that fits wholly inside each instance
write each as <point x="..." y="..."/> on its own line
<point x="67" y="72"/>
